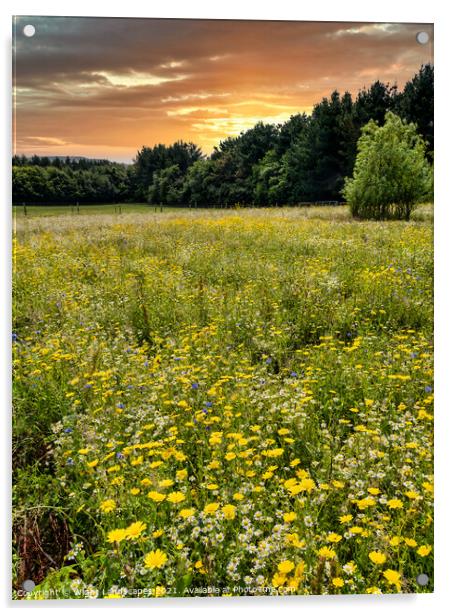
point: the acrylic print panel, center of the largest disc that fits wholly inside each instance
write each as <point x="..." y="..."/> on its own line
<point x="222" y="308"/>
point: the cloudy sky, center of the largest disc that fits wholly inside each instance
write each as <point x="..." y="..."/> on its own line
<point x="103" y="87"/>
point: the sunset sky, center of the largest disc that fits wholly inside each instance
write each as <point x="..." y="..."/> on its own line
<point x="103" y="87"/>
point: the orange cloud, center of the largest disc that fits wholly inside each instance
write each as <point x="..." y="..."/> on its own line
<point x="104" y="87"/>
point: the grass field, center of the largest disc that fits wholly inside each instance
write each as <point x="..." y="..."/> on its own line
<point x="224" y="400"/>
<point x="73" y="210"/>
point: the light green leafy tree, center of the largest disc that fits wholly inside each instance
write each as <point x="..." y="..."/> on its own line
<point x="391" y="173"/>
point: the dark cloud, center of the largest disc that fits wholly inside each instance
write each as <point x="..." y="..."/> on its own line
<point x="112" y="84"/>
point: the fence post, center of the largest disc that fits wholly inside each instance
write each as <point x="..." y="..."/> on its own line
<point x="25" y="209"/>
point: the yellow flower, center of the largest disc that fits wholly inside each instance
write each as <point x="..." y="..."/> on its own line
<point x="395" y="503"/>
<point x="156" y="496"/>
<point x="212" y="486"/>
<point x="157" y="533"/>
<point x="290" y="516"/>
<point x="428" y="487"/>
<point x="186" y="513"/>
<point x="117" y="535"/>
<point x="299" y="570"/>
<point x="229" y="511"/>
<point x="363" y="503"/>
<point x="182" y="474"/>
<point x="307" y="484"/>
<point x="338" y="484"/>
<point x="377" y="558"/>
<point x="93" y="463"/>
<point x="293" y="539"/>
<point x="411" y="543"/>
<point x="155" y="559"/>
<point x="238" y="496"/>
<point x="356" y="530"/>
<point x="134" y="491"/>
<point x="176" y="497"/>
<point x="166" y="483"/>
<point x="230" y="456"/>
<point x="211" y="508"/>
<point x="345" y="518"/>
<point x="273" y="453"/>
<point x="373" y="491"/>
<point x="285" y="566"/>
<point x="412" y="495"/>
<point x="295" y="487"/>
<point x="424" y="550"/>
<point x="338" y="582"/>
<point x="373" y="590"/>
<point x="135" y="529"/>
<point x="108" y="505"/>
<point x="293" y="583"/>
<point x="278" y="580"/>
<point x="334" y="537"/>
<point x="326" y="552"/>
<point x="394" y="541"/>
<point x="393" y="577"/>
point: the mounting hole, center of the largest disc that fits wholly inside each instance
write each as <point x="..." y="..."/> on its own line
<point x="422" y="38"/>
<point x="29" y="30"/>
<point x="28" y="585"/>
<point x="422" y="579"/>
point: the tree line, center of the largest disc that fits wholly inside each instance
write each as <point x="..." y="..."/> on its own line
<point x="305" y="159"/>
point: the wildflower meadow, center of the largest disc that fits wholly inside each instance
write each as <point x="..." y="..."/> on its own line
<point x="222" y="402"/>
